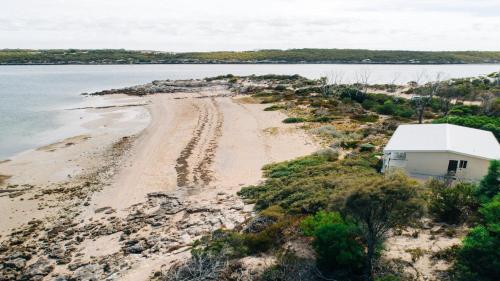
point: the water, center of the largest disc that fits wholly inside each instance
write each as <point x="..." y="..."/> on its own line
<point x="33" y="98"/>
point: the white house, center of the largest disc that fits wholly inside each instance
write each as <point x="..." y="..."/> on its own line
<point x="441" y="150"/>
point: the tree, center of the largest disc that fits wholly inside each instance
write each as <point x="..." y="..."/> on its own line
<point x="479" y="257"/>
<point x="490" y="184"/>
<point x="380" y="206"/>
<point x="425" y="95"/>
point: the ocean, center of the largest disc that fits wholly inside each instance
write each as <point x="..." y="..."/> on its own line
<point x="34" y="99"/>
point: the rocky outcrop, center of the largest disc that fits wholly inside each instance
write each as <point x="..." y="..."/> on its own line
<point x="163" y="86"/>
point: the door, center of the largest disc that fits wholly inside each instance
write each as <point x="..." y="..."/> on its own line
<point x="462" y="169"/>
<point x="452" y="167"/>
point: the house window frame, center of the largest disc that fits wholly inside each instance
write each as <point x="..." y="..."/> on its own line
<point x="463" y="164"/>
<point x="399" y="155"/>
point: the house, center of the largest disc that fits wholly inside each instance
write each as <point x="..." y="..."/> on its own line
<point x="441" y="150"/>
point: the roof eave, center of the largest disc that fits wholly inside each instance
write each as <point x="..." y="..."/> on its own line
<point x="448" y="151"/>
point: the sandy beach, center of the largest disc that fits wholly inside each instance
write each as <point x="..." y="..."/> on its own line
<point x="152" y="175"/>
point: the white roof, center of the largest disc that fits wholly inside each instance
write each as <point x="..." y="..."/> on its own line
<point x="444" y="138"/>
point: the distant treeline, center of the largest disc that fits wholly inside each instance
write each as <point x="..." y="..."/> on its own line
<point x="120" y="56"/>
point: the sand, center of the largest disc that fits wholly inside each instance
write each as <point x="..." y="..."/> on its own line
<point x="199" y="144"/>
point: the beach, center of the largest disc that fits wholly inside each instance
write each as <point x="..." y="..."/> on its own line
<point x="151" y="175"/>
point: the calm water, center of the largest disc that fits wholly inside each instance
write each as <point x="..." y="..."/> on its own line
<point x="33" y="98"/>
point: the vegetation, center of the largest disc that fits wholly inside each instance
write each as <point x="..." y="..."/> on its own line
<point x="120" y="56"/>
<point x="336" y="205"/>
<point x="479" y="258"/>
<point x="482" y="122"/>
<point x="453" y="204"/>
<point x="490" y="184"/>
<point x="381" y="205"/>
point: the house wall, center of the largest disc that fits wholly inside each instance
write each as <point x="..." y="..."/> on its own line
<point x="435" y="164"/>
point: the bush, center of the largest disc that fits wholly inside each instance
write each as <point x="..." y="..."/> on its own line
<point x="274" y="107"/>
<point x="388" y="108"/>
<point x="289" y="267"/>
<point x="487" y="123"/>
<point x="327" y="130"/>
<point x="311" y="224"/>
<point x="338" y="247"/>
<point x="329" y="153"/>
<point x="366" y="117"/>
<point x="490" y="184"/>
<point x="293" y="120"/>
<point x="270" y="237"/>
<point x="452" y="204"/>
<point x="479" y="258"/>
<point x="366" y="147"/>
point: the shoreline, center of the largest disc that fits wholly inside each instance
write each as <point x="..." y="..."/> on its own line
<point x="74" y="119"/>
<point x="137" y="196"/>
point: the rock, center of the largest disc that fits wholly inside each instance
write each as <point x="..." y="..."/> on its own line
<point x="40" y="268"/>
<point x="102" y="209"/>
<point x="136" y="247"/>
<point x="91" y="272"/>
<point x="257" y="224"/>
<point x="18" y="263"/>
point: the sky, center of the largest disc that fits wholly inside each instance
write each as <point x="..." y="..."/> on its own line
<point x="188" y="25"/>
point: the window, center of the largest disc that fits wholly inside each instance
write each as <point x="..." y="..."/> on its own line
<point x="463" y="164"/>
<point x="399" y="156"/>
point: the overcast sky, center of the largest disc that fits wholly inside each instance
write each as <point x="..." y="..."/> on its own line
<point x="208" y="25"/>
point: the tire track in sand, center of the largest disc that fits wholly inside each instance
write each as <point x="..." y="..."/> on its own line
<point x="193" y="164"/>
<point x="182" y="165"/>
<point x="202" y="173"/>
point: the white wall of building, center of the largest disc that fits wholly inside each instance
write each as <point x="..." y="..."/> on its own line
<point x="435" y="164"/>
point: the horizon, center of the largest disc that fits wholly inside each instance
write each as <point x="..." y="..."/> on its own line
<point x="240" y="51"/>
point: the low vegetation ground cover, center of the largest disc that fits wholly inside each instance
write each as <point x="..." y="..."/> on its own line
<point x="337" y="205"/>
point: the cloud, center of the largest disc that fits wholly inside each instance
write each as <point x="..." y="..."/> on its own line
<point x="189" y="25"/>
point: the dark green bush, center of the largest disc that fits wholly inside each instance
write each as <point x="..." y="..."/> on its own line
<point x="338" y="247"/>
<point x="388" y="108"/>
<point x="366" y="147"/>
<point x="490" y="184"/>
<point x="274" y="107"/>
<point x="311" y="224"/>
<point x="479" y="257"/>
<point x="294" y="120"/>
<point x="452" y="204"/>
<point x="482" y="122"/>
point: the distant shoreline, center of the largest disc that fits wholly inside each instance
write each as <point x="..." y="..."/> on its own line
<point x="289" y="56"/>
<point x="257" y="63"/>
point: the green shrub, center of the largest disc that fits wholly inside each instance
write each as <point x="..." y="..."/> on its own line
<point x="366" y="147"/>
<point x="479" y="257"/>
<point x="270" y="237"/>
<point x="452" y="204"/>
<point x="309" y="184"/>
<point x="482" y="122"/>
<point x="388" y="108"/>
<point x="294" y="120"/>
<point x="311" y="224"/>
<point x="338" y="247"/>
<point x="329" y="153"/>
<point x="490" y="184"/>
<point x="274" y="107"/>
<point x="366" y="117"/>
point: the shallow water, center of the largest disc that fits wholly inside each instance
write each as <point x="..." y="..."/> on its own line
<point x="33" y="98"/>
